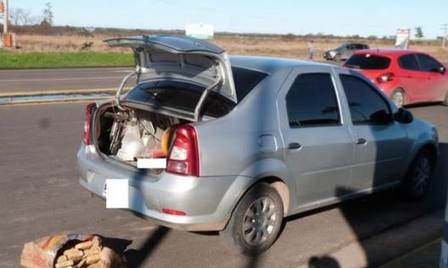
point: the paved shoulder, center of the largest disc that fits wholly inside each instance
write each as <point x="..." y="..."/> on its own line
<point x="60" y="79"/>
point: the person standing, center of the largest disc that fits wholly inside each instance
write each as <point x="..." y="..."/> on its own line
<point x="311" y="50"/>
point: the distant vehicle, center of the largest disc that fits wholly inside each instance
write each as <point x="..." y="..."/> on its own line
<point x="344" y="51"/>
<point x="405" y="76"/>
<point x="235" y="144"/>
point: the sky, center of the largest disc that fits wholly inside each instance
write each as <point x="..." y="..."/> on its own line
<point x="342" y="17"/>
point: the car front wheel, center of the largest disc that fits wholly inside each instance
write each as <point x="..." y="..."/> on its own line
<point x="419" y="175"/>
<point x="256" y="221"/>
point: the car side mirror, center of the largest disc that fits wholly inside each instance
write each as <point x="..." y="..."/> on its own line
<point x="381" y="117"/>
<point x="403" y="116"/>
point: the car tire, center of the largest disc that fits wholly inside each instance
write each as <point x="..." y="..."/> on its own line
<point x="256" y="221"/>
<point x="398" y="97"/>
<point x="418" y="177"/>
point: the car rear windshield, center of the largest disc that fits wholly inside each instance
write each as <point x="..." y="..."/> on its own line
<point x="368" y="62"/>
<point x="184" y="96"/>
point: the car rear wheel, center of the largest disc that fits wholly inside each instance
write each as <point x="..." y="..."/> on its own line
<point x="419" y="175"/>
<point x="256" y="221"/>
<point x="398" y="97"/>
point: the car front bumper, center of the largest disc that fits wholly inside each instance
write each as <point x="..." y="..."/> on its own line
<point x="207" y="201"/>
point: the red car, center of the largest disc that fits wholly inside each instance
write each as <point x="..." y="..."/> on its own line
<point x="406" y="76"/>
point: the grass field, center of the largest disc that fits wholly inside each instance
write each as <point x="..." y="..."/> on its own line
<point x="45" y="51"/>
<point x="10" y="60"/>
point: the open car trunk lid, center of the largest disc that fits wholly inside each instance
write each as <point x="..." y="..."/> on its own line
<point x="182" y="58"/>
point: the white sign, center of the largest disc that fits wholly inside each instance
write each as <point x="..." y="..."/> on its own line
<point x="402" y="39"/>
<point x="200" y="31"/>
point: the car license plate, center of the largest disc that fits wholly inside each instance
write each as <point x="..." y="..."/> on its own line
<point x="117" y="193"/>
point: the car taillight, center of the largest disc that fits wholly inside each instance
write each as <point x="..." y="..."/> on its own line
<point x="174" y="212"/>
<point x="184" y="154"/>
<point x="88" y="123"/>
<point x="385" y="77"/>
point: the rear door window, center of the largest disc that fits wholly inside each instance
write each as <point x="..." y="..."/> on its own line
<point x="366" y="104"/>
<point x="408" y="62"/>
<point x="368" y="62"/>
<point x="311" y="101"/>
<point x="427" y="63"/>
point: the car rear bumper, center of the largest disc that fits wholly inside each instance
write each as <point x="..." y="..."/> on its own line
<point x="207" y="201"/>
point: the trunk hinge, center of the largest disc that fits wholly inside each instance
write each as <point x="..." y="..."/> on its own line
<point x="198" y="108"/>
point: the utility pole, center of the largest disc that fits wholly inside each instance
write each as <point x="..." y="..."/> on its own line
<point x="445" y="33"/>
<point x="5" y="16"/>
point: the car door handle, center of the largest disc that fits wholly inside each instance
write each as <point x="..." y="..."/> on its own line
<point x="361" y="141"/>
<point x="294" y="146"/>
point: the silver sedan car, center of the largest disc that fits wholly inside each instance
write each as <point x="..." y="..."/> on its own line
<point x="204" y="141"/>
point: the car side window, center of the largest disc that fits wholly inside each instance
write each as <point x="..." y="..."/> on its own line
<point x="311" y="101"/>
<point x="408" y="62"/>
<point x="367" y="106"/>
<point x="427" y="63"/>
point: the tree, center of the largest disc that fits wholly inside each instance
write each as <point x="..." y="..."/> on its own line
<point x="20" y="16"/>
<point x="419" y="32"/>
<point x="47" y="15"/>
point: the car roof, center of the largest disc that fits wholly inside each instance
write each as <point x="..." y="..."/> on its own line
<point x="270" y="64"/>
<point x="387" y="51"/>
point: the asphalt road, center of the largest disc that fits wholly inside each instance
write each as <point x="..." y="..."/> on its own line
<point x="40" y="195"/>
<point x="35" y="80"/>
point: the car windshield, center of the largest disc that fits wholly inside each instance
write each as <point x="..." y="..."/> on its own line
<point x="368" y="62"/>
<point x="184" y="95"/>
<point x="341" y="46"/>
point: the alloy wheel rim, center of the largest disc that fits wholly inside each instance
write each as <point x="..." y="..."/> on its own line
<point x="260" y="221"/>
<point x="421" y="175"/>
<point x="398" y="98"/>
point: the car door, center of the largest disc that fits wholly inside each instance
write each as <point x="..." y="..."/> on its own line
<point x="412" y="80"/>
<point x="380" y="142"/>
<point x="348" y="52"/>
<point x="435" y="85"/>
<point x="318" y="145"/>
